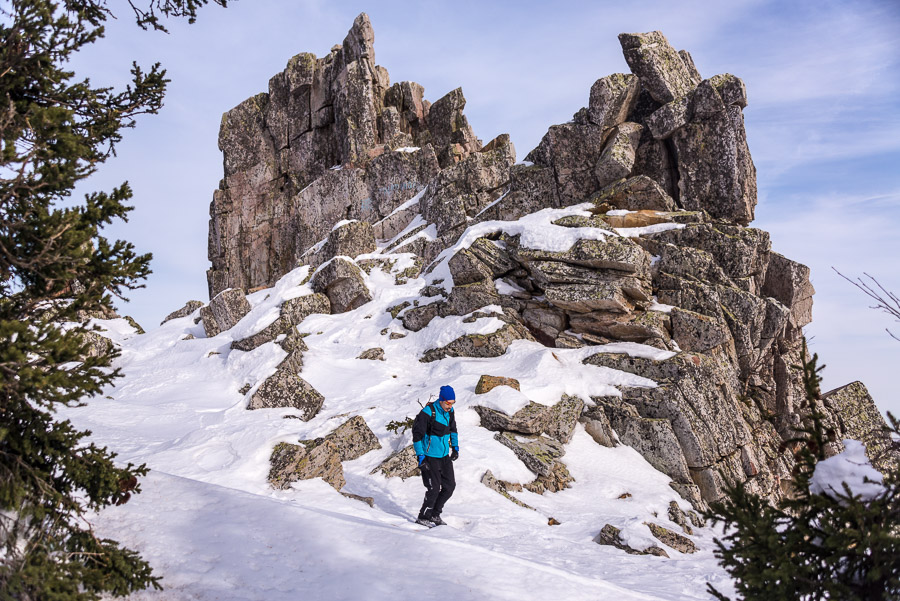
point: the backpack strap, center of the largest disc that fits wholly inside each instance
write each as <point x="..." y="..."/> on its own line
<point x="431" y="422"/>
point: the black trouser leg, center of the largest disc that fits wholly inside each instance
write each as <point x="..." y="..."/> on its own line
<point x="431" y="477"/>
<point x="448" y="484"/>
<point x="437" y="474"/>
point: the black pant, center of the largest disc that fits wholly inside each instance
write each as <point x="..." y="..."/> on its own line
<point x="437" y="474"/>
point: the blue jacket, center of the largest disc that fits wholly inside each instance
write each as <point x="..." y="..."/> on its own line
<point x="435" y="436"/>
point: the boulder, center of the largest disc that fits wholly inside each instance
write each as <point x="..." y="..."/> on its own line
<point x="419" y="317"/>
<point x="635" y="194"/>
<point x="546" y="323"/>
<point x="558" y="479"/>
<point x="659" y="67"/>
<point x="373" y="354"/>
<point x="538" y="453"/>
<point x="489" y="480"/>
<point x="466" y="268"/>
<point x="617" y="158"/>
<point x="530" y="419"/>
<point x="224" y="311"/>
<point x="669" y="118"/>
<point x="186" y="310"/>
<point x="676" y="541"/>
<point x="637" y="326"/>
<point x="695" y="393"/>
<point x="96" y="345"/>
<point x="717" y="173"/>
<point x="293" y="312"/>
<point x="688" y="262"/>
<point x="493" y="254"/>
<point x="480" y="345"/>
<point x="469" y="297"/>
<point x="685" y="519"/>
<point x="299" y="308"/>
<point x="597" y="425"/>
<point x="452" y="136"/>
<point x="612" y="252"/>
<point x="285" y="388"/>
<point x="597" y="221"/>
<point x="742" y="253"/>
<point x="487" y="383"/>
<point x="402" y="464"/>
<point x="612" y="99"/>
<point x="562" y="418"/>
<point x="859" y="419"/>
<point x="342" y="282"/>
<point x="656" y="159"/>
<point x="552" y="274"/>
<point x="689" y="294"/>
<point x="572" y="151"/>
<point x="583" y="298"/>
<point x="654" y="439"/>
<point x="290" y="463"/>
<point x="350" y="239"/>
<point x="531" y="188"/>
<point x="353" y="439"/>
<point x="788" y="282"/>
<point x="610" y="535"/>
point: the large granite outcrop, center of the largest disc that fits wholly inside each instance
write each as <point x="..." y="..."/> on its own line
<point x="335" y="162"/>
<point x="332" y="139"/>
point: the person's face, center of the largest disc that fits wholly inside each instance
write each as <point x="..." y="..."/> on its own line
<point x="445" y="405"/>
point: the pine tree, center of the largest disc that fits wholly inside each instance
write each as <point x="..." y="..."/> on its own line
<point x="57" y="268"/>
<point x="837" y="546"/>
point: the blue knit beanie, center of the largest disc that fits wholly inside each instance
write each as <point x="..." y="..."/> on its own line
<point x="447" y="394"/>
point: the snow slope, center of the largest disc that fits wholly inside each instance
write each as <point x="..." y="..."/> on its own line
<point x="213" y="529"/>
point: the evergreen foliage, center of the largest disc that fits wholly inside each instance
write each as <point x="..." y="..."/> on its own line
<point x="398" y="426"/>
<point x="57" y="268"/>
<point x="813" y="546"/>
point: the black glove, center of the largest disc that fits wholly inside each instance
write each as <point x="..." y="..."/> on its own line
<point x="455" y="454"/>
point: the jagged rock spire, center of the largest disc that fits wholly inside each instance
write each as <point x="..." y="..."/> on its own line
<point x="318" y="148"/>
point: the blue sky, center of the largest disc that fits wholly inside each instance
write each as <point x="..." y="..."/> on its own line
<point x="823" y="121"/>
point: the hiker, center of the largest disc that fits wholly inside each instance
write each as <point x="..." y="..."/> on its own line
<point x="434" y="436"/>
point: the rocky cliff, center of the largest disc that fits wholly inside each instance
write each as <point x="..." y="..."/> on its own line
<point x="338" y="169"/>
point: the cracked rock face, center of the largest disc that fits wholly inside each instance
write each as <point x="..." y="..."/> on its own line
<point x="339" y="168"/>
<point x="332" y="139"/>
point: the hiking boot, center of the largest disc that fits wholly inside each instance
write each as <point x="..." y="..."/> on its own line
<point x="425" y="518"/>
<point x="437" y="521"/>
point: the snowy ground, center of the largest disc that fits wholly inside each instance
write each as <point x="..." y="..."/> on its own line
<point x="213" y="529"/>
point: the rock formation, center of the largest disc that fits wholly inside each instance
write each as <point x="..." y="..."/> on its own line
<point x="335" y="164"/>
<point x="331" y="140"/>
